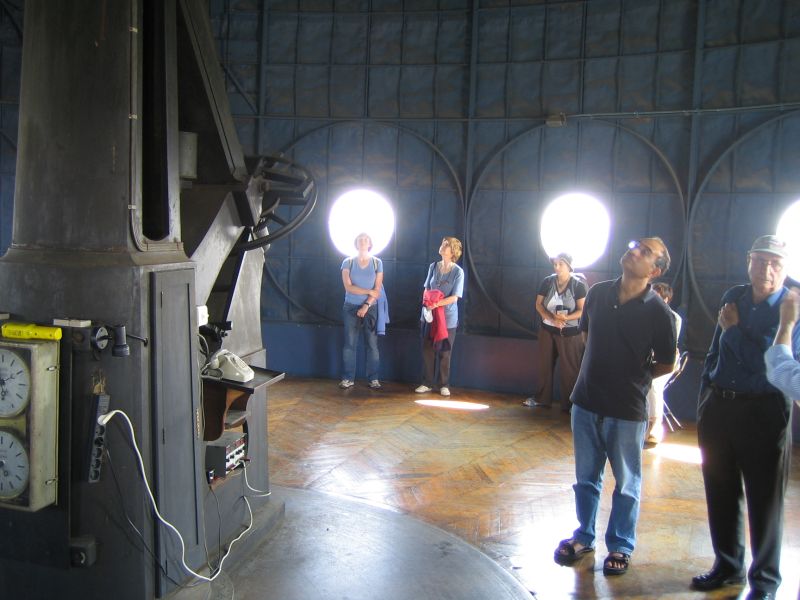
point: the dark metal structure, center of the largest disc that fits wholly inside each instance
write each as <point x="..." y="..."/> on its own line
<point x="135" y="211"/>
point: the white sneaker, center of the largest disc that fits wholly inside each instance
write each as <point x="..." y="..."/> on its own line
<point x="422" y="389"/>
<point x="345" y="383"/>
<point x="375" y="384"/>
<point x="445" y="391"/>
<point x="533" y="402"/>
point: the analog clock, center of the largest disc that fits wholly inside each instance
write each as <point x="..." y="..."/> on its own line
<point x="14" y="466"/>
<point x="29" y="377"/>
<point x="15" y="381"/>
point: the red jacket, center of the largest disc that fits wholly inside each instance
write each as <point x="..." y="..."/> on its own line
<point x="438" y="330"/>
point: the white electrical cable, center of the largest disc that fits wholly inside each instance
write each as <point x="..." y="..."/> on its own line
<point x="105" y="418"/>
<point x="258" y="493"/>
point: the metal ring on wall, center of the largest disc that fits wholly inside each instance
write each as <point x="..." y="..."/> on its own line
<point x="696" y="202"/>
<point x="437" y="152"/>
<point x="490" y="161"/>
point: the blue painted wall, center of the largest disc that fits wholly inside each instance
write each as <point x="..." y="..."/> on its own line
<point x="490" y="363"/>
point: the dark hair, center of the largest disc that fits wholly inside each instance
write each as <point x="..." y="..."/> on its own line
<point x="663" y="289"/>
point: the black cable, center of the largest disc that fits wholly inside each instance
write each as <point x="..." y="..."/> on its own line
<point x="136" y="529"/>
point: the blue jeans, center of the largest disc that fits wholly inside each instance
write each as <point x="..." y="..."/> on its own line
<point x="353" y="327"/>
<point x="596" y="439"/>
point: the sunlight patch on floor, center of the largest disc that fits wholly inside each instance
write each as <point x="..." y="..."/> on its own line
<point x="681" y="452"/>
<point x="458" y="404"/>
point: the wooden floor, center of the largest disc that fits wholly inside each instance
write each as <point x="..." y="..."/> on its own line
<point x="501" y="479"/>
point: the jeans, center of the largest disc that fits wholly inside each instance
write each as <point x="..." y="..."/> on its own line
<point x="596" y="438"/>
<point x="353" y="327"/>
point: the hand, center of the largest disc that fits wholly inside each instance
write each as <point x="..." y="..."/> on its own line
<point x="790" y="307"/>
<point x="373" y="294"/>
<point x="728" y="316"/>
<point x="362" y="311"/>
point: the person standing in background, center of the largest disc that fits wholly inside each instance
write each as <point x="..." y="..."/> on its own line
<point x="559" y="303"/>
<point x="655" y="396"/>
<point x="362" y="277"/>
<point x="448" y="278"/>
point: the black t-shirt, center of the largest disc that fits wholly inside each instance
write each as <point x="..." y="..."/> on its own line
<point x="615" y="373"/>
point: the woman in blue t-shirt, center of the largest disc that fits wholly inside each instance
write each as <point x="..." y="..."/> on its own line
<point x="447" y="277"/>
<point x="362" y="276"/>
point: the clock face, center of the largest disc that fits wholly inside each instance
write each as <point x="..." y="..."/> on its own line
<point x="14" y="466"/>
<point x="15" y="383"/>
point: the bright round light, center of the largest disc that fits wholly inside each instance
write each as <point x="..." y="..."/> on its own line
<point x="577" y="224"/>
<point x="788" y="226"/>
<point x="360" y="211"/>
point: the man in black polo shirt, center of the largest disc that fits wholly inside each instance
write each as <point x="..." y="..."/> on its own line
<point x="743" y="427"/>
<point x="630" y="338"/>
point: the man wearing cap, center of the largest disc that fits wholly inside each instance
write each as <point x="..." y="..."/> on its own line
<point x="630" y="338"/>
<point x="743" y="428"/>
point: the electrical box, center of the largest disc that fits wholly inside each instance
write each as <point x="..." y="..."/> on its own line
<point x="224" y="453"/>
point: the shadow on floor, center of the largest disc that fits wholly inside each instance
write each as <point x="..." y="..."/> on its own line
<point x="329" y="547"/>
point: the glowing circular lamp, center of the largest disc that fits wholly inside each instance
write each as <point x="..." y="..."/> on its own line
<point x="788" y="226"/>
<point x="578" y="224"/>
<point x="360" y="211"/>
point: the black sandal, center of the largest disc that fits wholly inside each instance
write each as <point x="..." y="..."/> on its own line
<point x="616" y="558"/>
<point x="566" y="554"/>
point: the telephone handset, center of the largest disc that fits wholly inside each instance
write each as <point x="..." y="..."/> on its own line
<point x="227" y="365"/>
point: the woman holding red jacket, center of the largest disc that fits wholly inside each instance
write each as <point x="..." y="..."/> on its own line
<point x="443" y="286"/>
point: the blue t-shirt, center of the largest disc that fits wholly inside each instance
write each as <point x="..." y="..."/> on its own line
<point x="450" y="284"/>
<point x="363" y="278"/>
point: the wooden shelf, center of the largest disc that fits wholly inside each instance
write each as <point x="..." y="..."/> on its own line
<point x="261" y="378"/>
<point x="223" y="395"/>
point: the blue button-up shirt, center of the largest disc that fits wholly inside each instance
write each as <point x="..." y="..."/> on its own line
<point x="735" y="360"/>
<point x="783" y="370"/>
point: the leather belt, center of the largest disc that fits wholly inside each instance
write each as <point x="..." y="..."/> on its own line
<point x="734" y="395"/>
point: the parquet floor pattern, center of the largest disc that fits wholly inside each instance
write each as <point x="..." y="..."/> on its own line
<point x="501" y="479"/>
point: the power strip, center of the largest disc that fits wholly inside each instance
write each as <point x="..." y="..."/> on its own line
<point x="97" y="438"/>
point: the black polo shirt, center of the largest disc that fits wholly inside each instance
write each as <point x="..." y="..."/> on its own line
<point x="615" y="373"/>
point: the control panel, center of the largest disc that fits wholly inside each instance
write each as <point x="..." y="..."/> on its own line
<point x="225" y="453"/>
